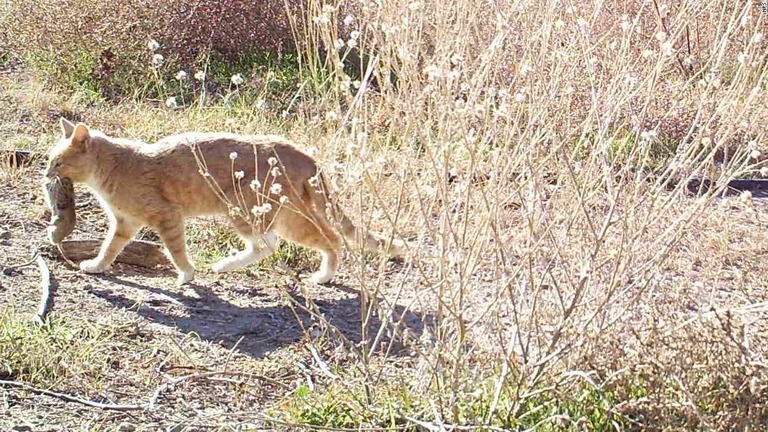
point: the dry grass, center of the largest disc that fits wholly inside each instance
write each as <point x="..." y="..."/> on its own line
<point x="536" y="155"/>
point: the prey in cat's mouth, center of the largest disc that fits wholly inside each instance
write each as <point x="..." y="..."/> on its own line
<point x="59" y="193"/>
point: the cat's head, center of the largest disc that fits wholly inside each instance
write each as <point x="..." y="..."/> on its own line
<point x="72" y="157"/>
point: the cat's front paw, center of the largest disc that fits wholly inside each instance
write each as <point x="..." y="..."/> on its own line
<point x="92" y="266"/>
<point x="321" y="277"/>
<point x="185" y="277"/>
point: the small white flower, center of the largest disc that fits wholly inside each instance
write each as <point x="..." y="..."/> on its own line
<point x="275" y="172"/>
<point x="625" y="25"/>
<point x="153" y="45"/>
<point x="239" y="175"/>
<point x="312" y="151"/>
<point x="276" y="189"/>
<point x="757" y="38"/>
<point x="746" y="196"/>
<point x="272" y="161"/>
<point x="331" y="116"/>
<point x="171" y="102"/>
<point x="352" y="43"/>
<point x="200" y="75"/>
<point x="237" y="79"/>
<point x="354" y="34"/>
<point x="648" y="53"/>
<point x="764" y="171"/>
<point x="433" y="71"/>
<point x="255" y="184"/>
<point x="667" y="48"/>
<point x="283" y="200"/>
<point x="181" y="75"/>
<point x="260" y="104"/>
<point x="559" y="23"/>
<point x="755" y="154"/>
<point x="648" y="135"/>
<point x="157" y="60"/>
<point x="229" y="122"/>
<point x="742" y="58"/>
<point x="526" y="69"/>
<point x="581" y="22"/>
<point x="314" y="181"/>
<point x="233" y="156"/>
<point x="339" y="44"/>
<point x="262" y="209"/>
<point x="414" y="6"/>
<point x="661" y="36"/>
<point x="322" y="19"/>
<point x="349" y="19"/>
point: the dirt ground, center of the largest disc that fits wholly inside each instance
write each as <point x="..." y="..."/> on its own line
<point x="250" y="324"/>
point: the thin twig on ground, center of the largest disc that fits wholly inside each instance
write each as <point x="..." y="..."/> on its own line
<point x="70" y="398"/>
<point x="45" y="289"/>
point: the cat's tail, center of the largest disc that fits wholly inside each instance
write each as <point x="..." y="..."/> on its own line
<point x="325" y="205"/>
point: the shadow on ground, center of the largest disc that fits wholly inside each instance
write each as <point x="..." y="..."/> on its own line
<point x="256" y="329"/>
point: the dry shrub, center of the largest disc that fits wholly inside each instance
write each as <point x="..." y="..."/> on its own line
<point x="539" y="288"/>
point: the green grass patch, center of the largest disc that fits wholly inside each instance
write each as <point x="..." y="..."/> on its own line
<point x="62" y="349"/>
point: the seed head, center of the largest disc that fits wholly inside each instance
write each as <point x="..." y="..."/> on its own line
<point x="171" y="102"/>
<point x="239" y="175"/>
<point x="276" y="189"/>
<point x="233" y="156"/>
<point x="262" y="209"/>
<point x="157" y="60"/>
<point x="181" y="75"/>
<point x="237" y="79"/>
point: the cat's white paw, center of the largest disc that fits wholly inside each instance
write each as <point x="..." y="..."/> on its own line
<point x="321" y="277"/>
<point x="222" y="266"/>
<point x="92" y="266"/>
<point x="185" y="277"/>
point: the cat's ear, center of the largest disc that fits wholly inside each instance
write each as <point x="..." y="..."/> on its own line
<point x="80" y="136"/>
<point x="67" y="127"/>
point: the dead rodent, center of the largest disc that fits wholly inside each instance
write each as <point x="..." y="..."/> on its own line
<point x="60" y="196"/>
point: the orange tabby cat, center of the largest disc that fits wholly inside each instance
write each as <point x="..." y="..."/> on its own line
<point x="265" y="186"/>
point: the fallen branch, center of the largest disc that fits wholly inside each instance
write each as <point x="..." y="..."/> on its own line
<point x="70" y="398"/>
<point x="138" y="252"/>
<point x="118" y="407"/>
<point x="45" y="288"/>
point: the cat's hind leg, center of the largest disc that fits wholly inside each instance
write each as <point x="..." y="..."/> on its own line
<point x="170" y="228"/>
<point x="313" y="232"/>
